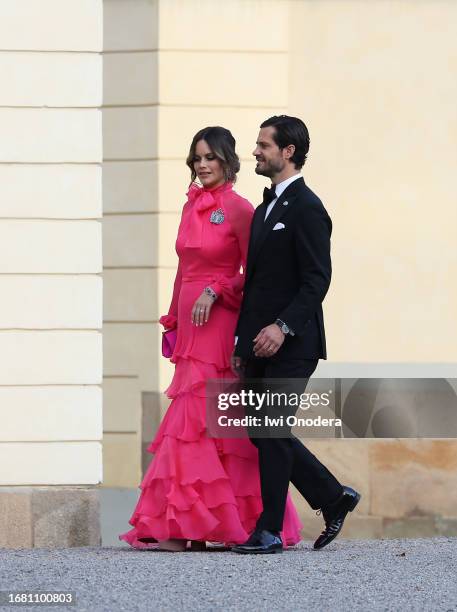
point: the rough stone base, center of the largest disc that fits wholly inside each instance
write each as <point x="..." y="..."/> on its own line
<point x="49" y="517"/>
<point x="360" y="527"/>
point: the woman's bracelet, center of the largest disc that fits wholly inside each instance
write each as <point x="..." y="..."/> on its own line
<point x="210" y="292"/>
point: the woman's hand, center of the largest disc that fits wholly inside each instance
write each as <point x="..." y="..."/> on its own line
<point x="201" y="309"/>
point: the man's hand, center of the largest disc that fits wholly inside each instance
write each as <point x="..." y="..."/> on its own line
<point x="201" y="309"/>
<point x="236" y="363"/>
<point x="268" y="341"/>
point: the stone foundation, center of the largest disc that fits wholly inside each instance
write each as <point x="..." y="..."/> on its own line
<point x="408" y="487"/>
<point x="360" y="527"/>
<point x="49" y="517"/>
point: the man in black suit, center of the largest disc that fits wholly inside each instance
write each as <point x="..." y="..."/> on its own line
<point x="280" y="331"/>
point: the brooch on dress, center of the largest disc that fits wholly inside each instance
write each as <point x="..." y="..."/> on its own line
<point x="217" y="216"/>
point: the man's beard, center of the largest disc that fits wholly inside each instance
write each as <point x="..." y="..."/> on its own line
<point x="270" y="168"/>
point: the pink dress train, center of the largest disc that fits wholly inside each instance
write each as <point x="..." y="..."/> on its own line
<point x="197" y="487"/>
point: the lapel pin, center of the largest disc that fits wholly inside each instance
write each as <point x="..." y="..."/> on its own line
<point x="285" y="203"/>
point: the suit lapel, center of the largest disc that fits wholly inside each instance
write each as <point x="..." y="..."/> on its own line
<point x="261" y="228"/>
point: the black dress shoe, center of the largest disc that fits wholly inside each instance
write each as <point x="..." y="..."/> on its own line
<point x="334" y="515"/>
<point x="261" y="542"/>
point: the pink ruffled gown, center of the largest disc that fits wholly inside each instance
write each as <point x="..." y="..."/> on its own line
<point x="197" y="487"/>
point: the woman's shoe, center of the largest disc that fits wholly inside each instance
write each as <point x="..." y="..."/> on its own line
<point x="173" y="545"/>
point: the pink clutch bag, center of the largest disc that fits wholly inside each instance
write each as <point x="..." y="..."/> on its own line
<point x="168" y="342"/>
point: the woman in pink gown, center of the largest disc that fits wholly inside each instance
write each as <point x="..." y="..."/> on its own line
<point x="199" y="488"/>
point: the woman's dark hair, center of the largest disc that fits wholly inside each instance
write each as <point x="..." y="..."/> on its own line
<point x="290" y="131"/>
<point x="222" y="144"/>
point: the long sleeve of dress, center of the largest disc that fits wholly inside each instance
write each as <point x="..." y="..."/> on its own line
<point x="170" y="320"/>
<point x="229" y="289"/>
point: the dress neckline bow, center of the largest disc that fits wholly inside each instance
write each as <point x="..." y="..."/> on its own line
<point x="201" y="200"/>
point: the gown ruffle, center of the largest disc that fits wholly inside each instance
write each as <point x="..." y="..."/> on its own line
<point x="196" y="487"/>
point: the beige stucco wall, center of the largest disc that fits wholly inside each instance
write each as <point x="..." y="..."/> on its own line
<point x="50" y="271"/>
<point x="373" y="81"/>
<point x="130" y="220"/>
<point x="50" y="232"/>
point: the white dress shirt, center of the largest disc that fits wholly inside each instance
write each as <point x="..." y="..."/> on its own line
<point x="280" y="187"/>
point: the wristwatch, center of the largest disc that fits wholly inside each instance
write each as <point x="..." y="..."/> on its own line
<point x="210" y="292"/>
<point x="282" y="326"/>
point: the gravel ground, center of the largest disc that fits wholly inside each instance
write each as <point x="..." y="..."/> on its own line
<point x="348" y="575"/>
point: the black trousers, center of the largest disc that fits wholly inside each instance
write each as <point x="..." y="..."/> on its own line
<point x="284" y="460"/>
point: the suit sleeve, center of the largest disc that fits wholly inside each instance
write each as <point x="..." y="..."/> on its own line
<point x="312" y="248"/>
<point x="229" y="289"/>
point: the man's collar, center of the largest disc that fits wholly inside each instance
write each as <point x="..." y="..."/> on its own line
<point x="282" y="186"/>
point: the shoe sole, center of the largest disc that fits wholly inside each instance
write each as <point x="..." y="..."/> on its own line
<point x="258" y="552"/>
<point x="353" y="505"/>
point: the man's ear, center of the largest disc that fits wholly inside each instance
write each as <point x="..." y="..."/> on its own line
<point x="289" y="151"/>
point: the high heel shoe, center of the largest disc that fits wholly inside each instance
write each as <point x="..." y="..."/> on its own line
<point x="173" y="545"/>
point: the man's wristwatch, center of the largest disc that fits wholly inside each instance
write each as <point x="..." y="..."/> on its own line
<point x="210" y="292"/>
<point x="283" y="326"/>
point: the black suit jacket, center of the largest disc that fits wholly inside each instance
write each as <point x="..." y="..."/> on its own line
<point x="288" y="274"/>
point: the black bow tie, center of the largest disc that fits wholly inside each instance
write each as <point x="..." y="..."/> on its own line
<point x="269" y="194"/>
